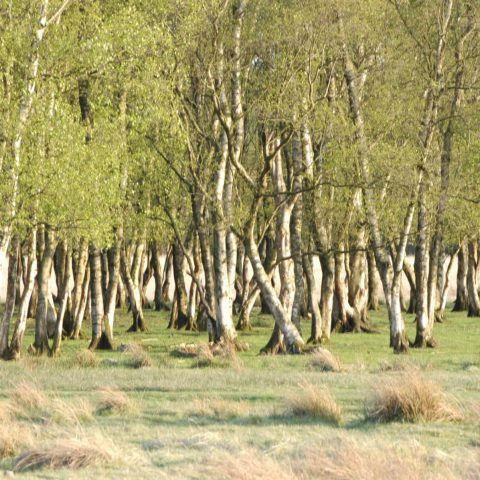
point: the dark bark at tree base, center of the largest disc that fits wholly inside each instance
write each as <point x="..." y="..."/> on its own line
<point x="473" y="312"/>
<point x="399" y="343"/>
<point x="460" y="305"/>
<point x="275" y="345"/>
<point x="422" y="340"/>
<point x="138" y="324"/>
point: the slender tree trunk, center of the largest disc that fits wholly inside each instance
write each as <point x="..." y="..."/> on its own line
<point x="131" y="279"/>
<point x="373" y="284"/>
<point x="63" y="297"/>
<point x="472" y="284"/>
<point x="11" y="294"/>
<point x="298" y="308"/>
<point x="40" y="344"/>
<point x="446" y="284"/>
<point x="293" y="339"/>
<point x="179" y="315"/>
<point x="167" y="272"/>
<point x="79" y="290"/>
<point x="96" y="295"/>
<point x="157" y="275"/>
<point x="461" y="302"/>
<point x="313" y="300"/>
<point x="21" y="323"/>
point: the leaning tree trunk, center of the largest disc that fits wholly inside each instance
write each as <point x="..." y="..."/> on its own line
<point x="21" y="323"/>
<point x="283" y="322"/>
<point x="461" y="302"/>
<point x="11" y="294"/>
<point x="131" y="279"/>
<point x="286" y="273"/>
<point x="81" y="263"/>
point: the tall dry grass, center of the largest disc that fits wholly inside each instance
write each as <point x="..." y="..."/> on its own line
<point x="113" y="400"/>
<point x="410" y="398"/>
<point x="325" y="361"/>
<point x="311" y="401"/>
<point x="138" y="357"/>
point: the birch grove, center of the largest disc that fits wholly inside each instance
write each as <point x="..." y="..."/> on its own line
<point x="213" y="157"/>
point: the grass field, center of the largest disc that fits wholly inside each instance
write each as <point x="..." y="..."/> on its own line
<point x="234" y="418"/>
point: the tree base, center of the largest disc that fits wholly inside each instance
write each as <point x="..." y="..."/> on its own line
<point x="422" y="340"/>
<point x="400" y="343"/>
<point x="276" y="343"/>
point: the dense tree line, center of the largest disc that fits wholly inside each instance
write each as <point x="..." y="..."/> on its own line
<point x="234" y="145"/>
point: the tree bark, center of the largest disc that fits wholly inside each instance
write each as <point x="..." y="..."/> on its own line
<point x="179" y="315"/>
<point x="79" y="290"/>
<point x="40" y="344"/>
<point x="131" y="279"/>
<point x="21" y="323"/>
<point x="472" y="284"/>
<point x="96" y="295"/>
<point x="461" y="302"/>
<point x="10" y="298"/>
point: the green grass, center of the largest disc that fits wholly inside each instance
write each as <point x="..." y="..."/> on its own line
<point x="183" y="416"/>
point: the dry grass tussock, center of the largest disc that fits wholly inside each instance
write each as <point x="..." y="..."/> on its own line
<point x="69" y="453"/>
<point x="29" y="399"/>
<point x="313" y="402"/>
<point x="113" y="401"/>
<point x="86" y="359"/>
<point x="324" y="360"/>
<point x="219" y="408"/>
<point x="410" y="398"/>
<point x="13" y="437"/>
<point x="344" y="459"/>
<point x="139" y="358"/>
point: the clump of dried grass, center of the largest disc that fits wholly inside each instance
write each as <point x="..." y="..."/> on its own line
<point x="325" y="361"/>
<point x="219" y="408"/>
<point x="86" y="359"/>
<point x="313" y="402"/>
<point x="410" y="398"/>
<point x="113" y="401"/>
<point x="9" y="440"/>
<point x="139" y="358"/>
<point x="29" y="399"/>
<point x="69" y="453"/>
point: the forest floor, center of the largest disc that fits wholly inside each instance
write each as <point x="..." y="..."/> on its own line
<point x="232" y="419"/>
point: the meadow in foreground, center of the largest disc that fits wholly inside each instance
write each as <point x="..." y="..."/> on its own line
<point x="150" y="410"/>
